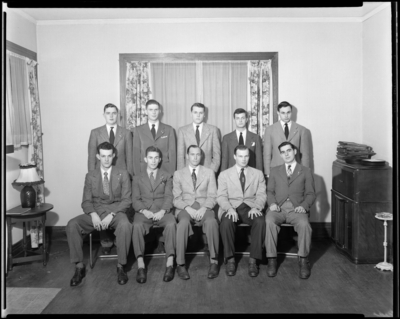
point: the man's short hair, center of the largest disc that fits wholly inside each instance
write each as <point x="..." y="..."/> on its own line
<point x="109" y="105"/>
<point x="105" y="146"/>
<point x="153" y="149"/>
<point x="284" y="144"/>
<point x="192" y="146"/>
<point x="240" y="111"/>
<point x="149" y="102"/>
<point x="198" y="105"/>
<point x="284" y="104"/>
<point x="241" y="148"/>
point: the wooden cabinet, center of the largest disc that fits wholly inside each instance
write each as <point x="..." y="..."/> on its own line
<point x="358" y="193"/>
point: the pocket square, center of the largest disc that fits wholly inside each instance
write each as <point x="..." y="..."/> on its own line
<point x="164" y="136"/>
<point x="254" y="143"/>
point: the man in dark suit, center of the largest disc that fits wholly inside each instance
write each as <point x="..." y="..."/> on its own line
<point x="241" y="136"/>
<point x="152" y="200"/>
<point x="241" y="198"/>
<point x="106" y="197"/>
<point x="121" y="138"/>
<point x="286" y="130"/>
<point x="204" y="135"/>
<point x="154" y="133"/>
<point x="291" y="193"/>
<point x="195" y="189"/>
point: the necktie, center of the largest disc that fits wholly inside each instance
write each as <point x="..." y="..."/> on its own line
<point x="194" y="178"/>
<point x="106" y="184"/>
<point x="289" y="172"/>
<point x="241" y="139"/>
<point x="242" y="179"/>
<point x="197" y="135"/>
<point x="153" y="131"/>
<point x="152" y="180"/>
<point x="286" y="130"/>
<point x="112" y="136"/>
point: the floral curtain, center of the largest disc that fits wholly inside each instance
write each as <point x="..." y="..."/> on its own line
<point x="260" y="96"/>
<point x="137" y="93"/>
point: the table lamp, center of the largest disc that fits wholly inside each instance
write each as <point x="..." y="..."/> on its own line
<point x="27" y="177"/>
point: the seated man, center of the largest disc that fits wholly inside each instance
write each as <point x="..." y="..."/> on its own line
<point x="291" y="192"/>
<point x="194" y="197"/>
<point x="241" y="197"/>
<point x="152" y="201"/>
<point x="106" y="197"/>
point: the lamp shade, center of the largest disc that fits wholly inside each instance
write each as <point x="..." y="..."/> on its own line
<point x="28" y="176"/>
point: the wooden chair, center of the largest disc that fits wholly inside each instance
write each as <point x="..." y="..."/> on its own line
<point x="91" y="262"/>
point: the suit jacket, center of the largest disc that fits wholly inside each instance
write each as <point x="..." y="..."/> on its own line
<point x="122" y="143"/>
<point x="210" y="144"/>
<point x="145" y="197"/>
<point x="300" y="189"/>
<point x="94" y="199"/>
<point x="165" y="141"/>
<point x="230" y="194"/>
<point x="299" y="136"/>
<point x="185" y="194"/>
<point x="253" y="142"/>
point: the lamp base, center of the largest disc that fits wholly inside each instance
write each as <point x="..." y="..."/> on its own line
<point x="28" y="197"/>
<point x="384" y="266"/>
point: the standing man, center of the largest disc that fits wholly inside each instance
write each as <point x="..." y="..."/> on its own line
<point x="285" y="130"/>
<point x="241" y="197"/>
<point x="121" y="139"/>
<point x="195" y="190"/>
<point x="157" y="134"/>
<point x="206" y="136"/>
<point x="152" y="200"/>
<point x="241" y="136"/>
<point x="291" y="193"/>
<point x="106" y="197"/>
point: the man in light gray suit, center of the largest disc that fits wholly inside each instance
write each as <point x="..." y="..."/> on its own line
<point x="204" y="135"/>
<point x="195" y="190"/>
<point x="286" y="130"/>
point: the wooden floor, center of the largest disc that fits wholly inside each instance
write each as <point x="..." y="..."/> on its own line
<point x="336" y="286"/>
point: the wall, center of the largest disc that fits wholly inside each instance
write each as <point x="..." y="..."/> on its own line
<point x="377" y="81"/>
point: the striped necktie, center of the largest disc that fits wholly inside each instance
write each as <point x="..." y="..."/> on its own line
<point x="106" y="184"/>
<point x="289" y="172"/>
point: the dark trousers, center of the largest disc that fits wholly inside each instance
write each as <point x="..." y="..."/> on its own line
<point x="257" y="232"/>
<point x="81" y="225"/>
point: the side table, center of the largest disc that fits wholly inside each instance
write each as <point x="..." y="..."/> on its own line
<point x="26" y="215"/>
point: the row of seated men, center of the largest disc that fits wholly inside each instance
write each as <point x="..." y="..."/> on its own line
<point x="187" y="198"/>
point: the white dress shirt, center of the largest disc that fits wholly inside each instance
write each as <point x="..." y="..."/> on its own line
<point x="244" y="133"/>
<point x="156" y="125"/>
<point x="109" y="129"/>
<point x="200" y="127"/>
<point x="289" y="124"/>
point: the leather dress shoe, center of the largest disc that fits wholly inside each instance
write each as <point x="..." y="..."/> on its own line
<point x="304" y="265"/>
<point x="169" y="273"/>
<point x="106" y="250"/>
<point x="230" y="268"/>
<point x="213" y="271"/>
<point x="271" y="267"/>
<point x="253" y="269"/>
<point x="122" y="276"/>
<point x="78" y="276"/>
<point x="182" y="272"/>
<point x="141" y="275"/>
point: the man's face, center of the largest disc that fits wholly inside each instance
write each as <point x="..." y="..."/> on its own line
<point x="152" y="159"/>
<point x="285" y="113"/>
<point x="288" y="154"/>
<point x="198" y="115"/>
<point x="240" y="120"/>
<point x="152" y="112"/>
<point x="106" y="158"/>
<point x="241" y="157"/>
<point x="194" y="156"/>
<point x="110" y="114"/>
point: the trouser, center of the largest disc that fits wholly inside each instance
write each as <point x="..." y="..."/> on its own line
<point x="81" y="225"/>
<point x="257" y="232"/>
<point x="141" y="227"/>
<point x="184" y="230"/>
<point x="301" y="224"/>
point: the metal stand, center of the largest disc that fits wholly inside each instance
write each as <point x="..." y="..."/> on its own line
<point x="384" y="265"/>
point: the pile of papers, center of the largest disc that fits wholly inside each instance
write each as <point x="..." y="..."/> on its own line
<point x="351" y="150"/>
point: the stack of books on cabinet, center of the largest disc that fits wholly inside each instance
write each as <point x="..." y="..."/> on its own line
<point x="353" y="151"/>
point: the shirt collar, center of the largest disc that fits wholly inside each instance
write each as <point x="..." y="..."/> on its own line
<point x="154" y="172"/>
<point x="102" y="172"/>
<point x="239" y="169"/>
<point x="156" y="125"/>
<point x="200" y="126"/>
<point x="292" y="166"/>
<point x="196" y="169"/>
<point x="109" y="128"/>
<point x="243" y="134"/>
<point x="283" y="124"/>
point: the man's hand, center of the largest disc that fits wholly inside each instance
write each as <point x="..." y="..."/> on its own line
<point x="200" y="213"/>
<point x="160" y="214"/>
<point x="191" y="211"/>
<point x="232" y="213"/>
<point x="274" y="208"/>
<point x="300" y="210"/>
<point x="254" y="212"/>
<point x="148" y="214"/>
<point x="96" y="221"/>
<point x="106" y="221"/>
